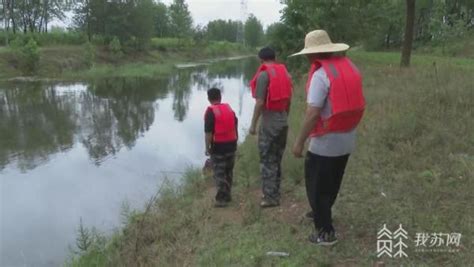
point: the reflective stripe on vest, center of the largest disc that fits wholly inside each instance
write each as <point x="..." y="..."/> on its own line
<point x="279" y="87"/>
<point x="345" y="95"/>
<point x="224" y="123"/>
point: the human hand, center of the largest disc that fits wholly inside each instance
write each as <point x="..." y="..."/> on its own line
<point x="297" y="150"/>
<point x="252" y="130"/>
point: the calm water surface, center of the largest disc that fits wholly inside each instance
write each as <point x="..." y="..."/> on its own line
<point x="81" y="150"/>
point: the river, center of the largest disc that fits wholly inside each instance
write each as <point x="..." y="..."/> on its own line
<point x="85" y="150"/>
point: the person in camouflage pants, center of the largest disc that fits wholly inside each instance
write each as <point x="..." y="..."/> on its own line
<point x="222" y="166"/>
<point x="271" y="79"/>
<point x="220" y="127"/>
<point x="271" y="145"/>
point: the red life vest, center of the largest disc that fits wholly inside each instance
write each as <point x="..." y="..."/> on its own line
<point x="224" y="123"/>
<point x="279" y="88"/>
<point x="345" y="94"/>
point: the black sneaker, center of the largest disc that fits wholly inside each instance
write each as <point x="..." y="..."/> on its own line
<point x="309" y="215"/>
<point x="323" y="238"/>
<point x="221" y="203"/>
<point x="268" y="203"/>
<point x="223" y="198"/>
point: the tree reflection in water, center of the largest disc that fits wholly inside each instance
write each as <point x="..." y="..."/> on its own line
<point x="38" y="120"/>
<point x="35" y="122"/>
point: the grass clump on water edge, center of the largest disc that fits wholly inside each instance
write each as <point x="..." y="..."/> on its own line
<point x="128" y="70"/>
<point x="414" y="165"/>
<point x="166" y="213"/>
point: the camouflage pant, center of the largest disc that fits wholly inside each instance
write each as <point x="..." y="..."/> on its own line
<point x="223" y="166"/>
<point x="271" y="144"/>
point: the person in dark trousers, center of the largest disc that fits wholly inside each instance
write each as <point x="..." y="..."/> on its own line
<point x="220" y="126"/>
<point x="272" y="89"/>
<point x="335" y="105"/>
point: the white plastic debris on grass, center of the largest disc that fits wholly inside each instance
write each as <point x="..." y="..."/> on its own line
<point x="278" y="254"/>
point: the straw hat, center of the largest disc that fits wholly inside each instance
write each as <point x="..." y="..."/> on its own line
<point x="318" y="41"/>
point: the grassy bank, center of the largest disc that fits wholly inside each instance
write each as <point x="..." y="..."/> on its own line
<point x="68" y="62"/>
<point x="414" y="165"/>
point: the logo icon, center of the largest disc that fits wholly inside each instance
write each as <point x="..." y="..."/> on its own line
<point x="392" y="244"/>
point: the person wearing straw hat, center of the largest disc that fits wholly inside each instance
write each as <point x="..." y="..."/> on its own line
<point x="272" y="88"/>
<point x="335" y="105"/>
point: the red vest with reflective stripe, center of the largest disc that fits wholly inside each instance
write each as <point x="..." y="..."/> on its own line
<point x="279" y="88"/>
<point x="345" y="94"/>
<point x="224" y="123"/>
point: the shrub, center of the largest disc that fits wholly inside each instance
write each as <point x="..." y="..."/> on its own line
<point x="89" y="54"/>
<point x="28" y="55"/>
<point x="60" y="38"/>
<point x="3" y="38"/>
<point x="44" y="39"/>
<point x="135" y="44"/>
<point x="172" y="44"/>
<point x="223" y="48"/>
<point x="116" y="48"/>
<point x="98" y="40"/>
<point x="17" y="42"/>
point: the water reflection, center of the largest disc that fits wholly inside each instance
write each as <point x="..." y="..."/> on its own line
<point x="115" y="112"/>
<point x="35" y="121"/>
<point x="76" y="150"/>
<point x="38" y="119"/>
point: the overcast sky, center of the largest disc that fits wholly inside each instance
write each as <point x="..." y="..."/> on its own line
<point x="203" y="11"/>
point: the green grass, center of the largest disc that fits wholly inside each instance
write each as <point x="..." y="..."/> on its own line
<point x="44" y="39"/>
<point x="414" y="165"/>
<point x="128" y="70"/>
<point x="456" y="47"/>
<point x="418" y="60"/>
<point x="66" y="62"/>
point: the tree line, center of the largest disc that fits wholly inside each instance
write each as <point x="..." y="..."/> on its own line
<point x="132" y="22"/>
<point x="30" y="16"/>
<point x="373" y="24"/>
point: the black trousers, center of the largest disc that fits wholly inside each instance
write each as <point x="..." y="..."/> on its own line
<point x="323" y="177"/>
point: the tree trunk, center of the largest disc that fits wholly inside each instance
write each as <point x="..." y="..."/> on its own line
<point x="12" y="16"/>
<point x="6" y="20"/>
<point x="46" y="15"/>
<point x="409" y="29"/>
<point x="388" y="37"/>
<point x="88" y="20"/>
<point x="40" y="26"/>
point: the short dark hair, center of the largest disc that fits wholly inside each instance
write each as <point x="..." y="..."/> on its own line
<point x="214" y="94"/>
<point x="266" y="53"/>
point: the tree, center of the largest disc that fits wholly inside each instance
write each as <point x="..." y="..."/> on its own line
<point x="140" y="22"/>
<point x="275" y="37"/>
<point x="82" y="18"/>
<point x="161" y="20"/>
<point x="181" y="21"/>
<point x="29" y="56"/>
<point x="6" y="19"/>
<point x="32" y="16"/>
<point x="199" y="34"/>
<point x="221" y="30"/>
<point x="130" y="21"/>
<point x="253" y="31"/>
<point x="379" y="22"/>
<point x="409" y="30"/>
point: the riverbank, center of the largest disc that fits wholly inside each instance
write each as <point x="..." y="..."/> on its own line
<point x="414" y="165"/>
<point x="68" y="63"/>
